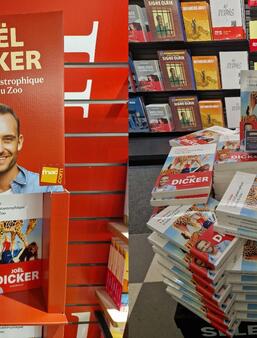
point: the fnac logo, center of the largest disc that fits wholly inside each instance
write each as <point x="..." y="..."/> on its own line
<point x="51" y="175"/>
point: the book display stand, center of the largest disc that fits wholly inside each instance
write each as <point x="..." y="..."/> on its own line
<point x="45" y="306"/>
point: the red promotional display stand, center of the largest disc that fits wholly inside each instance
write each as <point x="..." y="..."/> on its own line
<point x="96" y="148"/>
<point x="45" y="306"/>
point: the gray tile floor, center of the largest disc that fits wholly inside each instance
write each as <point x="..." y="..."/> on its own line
<point x="151" y="309"/>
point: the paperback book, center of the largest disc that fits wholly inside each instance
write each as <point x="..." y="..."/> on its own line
<point x="228" y="20"/>
<point x="185" y="112"/>
<point x="136" y="26"/>
<point x="187" y="171"/>
<point x="247" y="259"/>
<point x="20" y="242"/>
<point x="159" y="117"/>
<point x="206" y="70"/>
<point x="233" y="111"/>
<point x="137" y="116"/>
<point x="165" y="20"/>
<point x="197" y="21"/>
<point x="231" y="64"/>
<point x="253" y="35"/>
<point x="207" y="136"/>
<point x="148" y="75"/>
<point x="211" y="112"/>
<point x="248" y="124"/>
<point x="177" y="70"/>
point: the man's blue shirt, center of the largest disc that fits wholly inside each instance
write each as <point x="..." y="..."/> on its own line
<point x="28" y="182"/>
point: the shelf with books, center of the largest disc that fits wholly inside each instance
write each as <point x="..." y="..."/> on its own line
<point x="148" y="50"/>
<point x="116" y="317"/>
<point x="163" y="96"/>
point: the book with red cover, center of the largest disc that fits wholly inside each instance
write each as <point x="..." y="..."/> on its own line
<point x="165" y="20"/>
<point x="177" y="70"/>
<point x="185" y="113"/>
<point x="252" y="3"/>
<point x="31" y="73"/>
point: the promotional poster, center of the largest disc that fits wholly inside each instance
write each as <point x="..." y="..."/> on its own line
<point x="31" y="86"/>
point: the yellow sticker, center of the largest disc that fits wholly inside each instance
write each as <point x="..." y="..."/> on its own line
<point x="49" y="175"/>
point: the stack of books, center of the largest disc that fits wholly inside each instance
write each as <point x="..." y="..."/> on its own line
<point x="117" y="274"/>
<point x="237" y="210"/>
<point x="186" y="176"/>
<point x="229" y="160"/>
<point x="193" y="258"/>
<point x="242" y="275"/>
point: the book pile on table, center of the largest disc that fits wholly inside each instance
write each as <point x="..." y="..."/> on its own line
<point x="186" y="176"/>
<point x="242" y="275"/>
<point x="193" y="258"/>
<point x="237" y="210"/>
<point x="229" y="160"/>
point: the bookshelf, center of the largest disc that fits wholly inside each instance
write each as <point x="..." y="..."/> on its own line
<point x="152" y="147"/>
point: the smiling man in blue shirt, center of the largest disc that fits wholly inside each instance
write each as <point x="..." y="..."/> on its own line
<point x="14" y="178"/>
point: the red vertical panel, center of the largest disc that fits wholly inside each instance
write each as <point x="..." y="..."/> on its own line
<point x="89" y="230"/>
<point x="102" y="118"/>
<point x="96" y="178"/>
<point x="88" y="253"/>
<point x="79" y="16"/>
<point x="96" y="149"/>
<point x="97" y="205"/>
<point x="107" y="83"/>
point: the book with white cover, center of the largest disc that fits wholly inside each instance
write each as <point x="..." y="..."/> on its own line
<point x="243" y="279"/>
<point x="163" y="202"/>
<point x="233" y="111"/>
<point x="205" y="136"/>
<point x="247" y="259"/>
<point x="238" y="231"/>
<point x="21" y="331"/>
<point x="250" y="289"/>
<point x="247" y="316"/>
<point x="187" y="171"/>
<point x="191" y="229"/>
<point x="240" y="199"/>
<point x="247" y="298"/>
<point x="227" y="19"/>
<point x="245" y="307"/>
<point x="231" y="63"/>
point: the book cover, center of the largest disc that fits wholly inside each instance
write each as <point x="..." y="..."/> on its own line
<point x="252" y="3"/>
<point x="227" y="19"/>
<point x="185" y="112"/>
<point x="137" y="117"/>
<point x="233" y="111"/>
<point x="159" y="117"/>
<point x="213" y="248"/>
<point x="136" y="25"/>
<point x="165" y="20"/>
<point x="183" y="225"/>
<point x="132" y="77"/>
<point x="149" y="35"/>
<point x="148" y="75"/>
<point x="206" y="136"/>
<point x="247" y="259"/>
<point x="177" y="70"/>
<point x="253" y="35"/>
<point x="231" y="64"/>
<point x="21" y="331"/>
<point x="21" y="242"/>
<point x="248" y="121"/>
<point x="31" y="96"/>
<point x="197" y="21"/>
<point x="240" y="199"/>
<point x="211" y="112"/>
<point x="187" y="170"/>
<point x="206" y="70"/>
